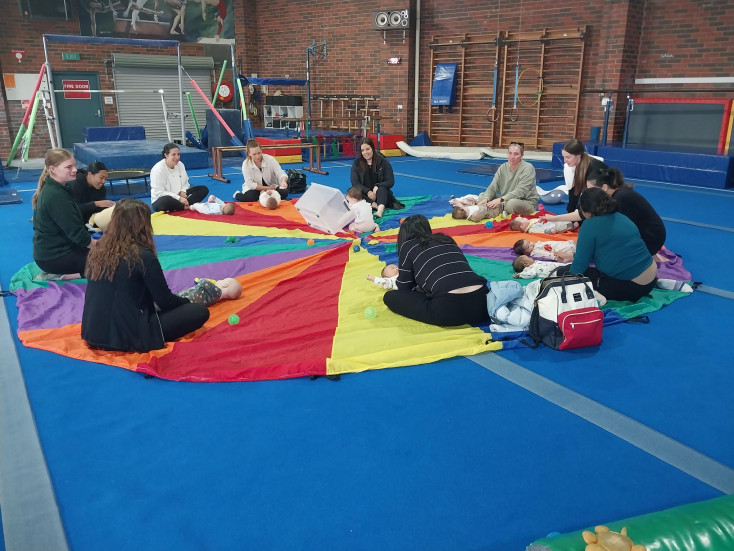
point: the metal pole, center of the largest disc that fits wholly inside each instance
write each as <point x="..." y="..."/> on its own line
<point x="165" y="115"/>
<point x="51" y="135"/>
<point x="234" y="73"/>
<point x="180" y="96"/>
<point x="416" y="74"/>
<point x="308" y="88"/>
<point x="54" y="107"/>
<point x="628" y="114"/>
<point x="607" y="110"/>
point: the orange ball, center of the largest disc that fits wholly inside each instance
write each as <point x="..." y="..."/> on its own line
<point x="402" y="220"/>
<point x="310" y="242"/>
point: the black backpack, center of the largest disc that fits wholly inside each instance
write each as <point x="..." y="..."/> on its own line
<point x="296" y="181"/>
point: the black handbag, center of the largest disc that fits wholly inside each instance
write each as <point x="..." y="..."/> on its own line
<point x="296" y="181"/>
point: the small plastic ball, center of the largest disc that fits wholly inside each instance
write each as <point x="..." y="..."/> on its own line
<point x="489" y="225"/>
<point x="310" y="242"/>
<point x="370" y="312"/>
<point x="356" y="248"/>
<point x="234" y="319"/>
<point x="402" y="220"/>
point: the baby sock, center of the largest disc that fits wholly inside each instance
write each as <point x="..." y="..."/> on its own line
<point x="673" y="285"/>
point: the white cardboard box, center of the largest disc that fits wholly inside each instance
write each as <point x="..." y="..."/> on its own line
<point x="324" y="208"/>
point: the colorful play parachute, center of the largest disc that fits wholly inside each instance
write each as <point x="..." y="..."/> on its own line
<point x="302" y="312"/>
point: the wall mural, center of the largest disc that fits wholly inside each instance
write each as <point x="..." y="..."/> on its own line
<point x="207" y="21"/>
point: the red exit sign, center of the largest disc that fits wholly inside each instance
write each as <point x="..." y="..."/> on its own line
<point x="76" y="89"/>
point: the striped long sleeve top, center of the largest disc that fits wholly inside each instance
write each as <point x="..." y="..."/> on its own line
<point x="437" y="269"/>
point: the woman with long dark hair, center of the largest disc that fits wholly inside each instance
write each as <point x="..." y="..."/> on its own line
<point x="633" y="205"/>
<point x="630" y="203"/>
<point x="623" y="268"/>
<point x="435" y="283"/>
<point x="61" y="241"/>
<point x="575" y="156"/>
<point x="128" y="305"/>
<point x="373" y="175"/>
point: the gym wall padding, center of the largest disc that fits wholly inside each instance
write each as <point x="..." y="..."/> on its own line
<point x="443" y="91"/>
<point x="218" y="135"/>
<point x="135" y="154"/>
<point x="694" y="125"/>
<point x="702" y="526"/>
<point x="714" y="171"/>
<point x="112" y="133"/>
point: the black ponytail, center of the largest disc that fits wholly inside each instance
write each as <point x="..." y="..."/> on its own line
<point x="595" y="201"/>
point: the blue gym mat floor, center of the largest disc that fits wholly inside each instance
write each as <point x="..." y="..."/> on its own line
<point x="489" y="452"/>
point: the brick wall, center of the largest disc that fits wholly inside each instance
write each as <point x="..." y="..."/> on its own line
<point x="627" y="39"/>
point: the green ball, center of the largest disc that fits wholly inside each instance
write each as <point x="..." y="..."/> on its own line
<point x="370" y="312"/>
<point x="234" y="319"/>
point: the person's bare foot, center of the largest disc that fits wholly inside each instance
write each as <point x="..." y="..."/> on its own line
<point x="380" y="210"/>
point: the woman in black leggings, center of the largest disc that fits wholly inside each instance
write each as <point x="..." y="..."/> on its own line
<point x="435" y="283"/>
<point x="128" y="305"/>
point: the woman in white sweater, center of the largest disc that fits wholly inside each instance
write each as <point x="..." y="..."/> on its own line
<point x="169" y="183"/>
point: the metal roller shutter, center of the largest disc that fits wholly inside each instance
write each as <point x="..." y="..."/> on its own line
<point x="141" y="76"/>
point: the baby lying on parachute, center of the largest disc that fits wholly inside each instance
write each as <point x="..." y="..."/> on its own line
<point x="510" y="304"/>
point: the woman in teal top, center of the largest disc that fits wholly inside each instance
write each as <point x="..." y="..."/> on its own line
<point x="624" y="269"/>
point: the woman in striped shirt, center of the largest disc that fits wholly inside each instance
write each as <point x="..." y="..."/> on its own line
<point x="435" y="283"/>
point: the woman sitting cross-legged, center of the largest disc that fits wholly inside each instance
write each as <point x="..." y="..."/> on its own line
<point x="128" y="305"/>
<point x="169" y="183"/>
<point x="373" y="175"/>
<point x="261" y="172"/>
<point x="624" y="268"/>
<point x="435" y="283"/>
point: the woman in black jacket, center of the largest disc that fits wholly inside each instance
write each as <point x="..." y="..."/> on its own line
<point x="373" y="175"/>
<point x="128" y="305"/>
<point x="90" y="194"/>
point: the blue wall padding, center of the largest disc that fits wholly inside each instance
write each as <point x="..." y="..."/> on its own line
<point x="443" y="91"/>
<point x="714" y="171"/>
<point x="112" y="133"/>
<point x="135" y="154"/>
<point x="421" y="139"/>
<point x="557" y="159"/>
